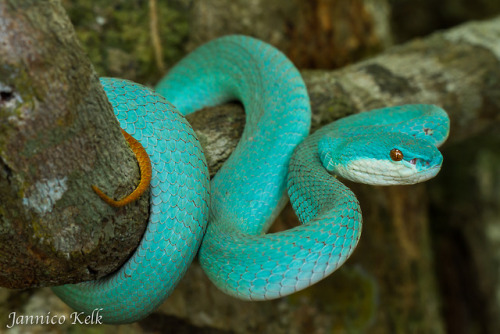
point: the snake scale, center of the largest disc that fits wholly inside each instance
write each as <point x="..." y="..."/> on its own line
<point x="396" y="145"/>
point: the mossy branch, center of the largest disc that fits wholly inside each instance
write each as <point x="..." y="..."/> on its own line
<point x="58" y="135"/>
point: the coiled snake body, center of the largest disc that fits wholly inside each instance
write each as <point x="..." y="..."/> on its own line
<point x="386" y="146"/>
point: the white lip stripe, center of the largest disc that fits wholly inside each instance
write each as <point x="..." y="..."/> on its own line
<point x="383" y="172"/>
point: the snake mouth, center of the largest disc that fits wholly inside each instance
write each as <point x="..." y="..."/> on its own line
<point x="417" y="176"/>
<point x="388" y="174"/>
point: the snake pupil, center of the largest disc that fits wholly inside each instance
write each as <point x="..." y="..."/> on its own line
<point x="396" y="155"/>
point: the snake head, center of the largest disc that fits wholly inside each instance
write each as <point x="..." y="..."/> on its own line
<point x="388" y="159"/>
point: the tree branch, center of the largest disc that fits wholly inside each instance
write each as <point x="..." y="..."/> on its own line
<point x="58" y="135"/>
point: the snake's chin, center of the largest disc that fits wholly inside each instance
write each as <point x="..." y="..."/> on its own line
<point x="414" y="178"/>
<point x="380" y="173"/>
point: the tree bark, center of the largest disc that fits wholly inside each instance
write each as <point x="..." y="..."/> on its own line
<point x="322" y="34"/>
<point x="58" y="135"/>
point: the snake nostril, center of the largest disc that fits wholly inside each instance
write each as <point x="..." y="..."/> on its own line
<point x="413" y="161"/>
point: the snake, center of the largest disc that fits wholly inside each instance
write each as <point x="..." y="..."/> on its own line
<point x="224" y="220"/>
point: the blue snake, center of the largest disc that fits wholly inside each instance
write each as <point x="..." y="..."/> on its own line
<point x="276" y="155"/>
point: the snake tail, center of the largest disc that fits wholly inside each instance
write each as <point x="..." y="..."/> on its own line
<point x="144" y="168"/>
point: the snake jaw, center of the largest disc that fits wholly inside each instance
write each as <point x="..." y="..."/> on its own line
<point x="385" y="173"/>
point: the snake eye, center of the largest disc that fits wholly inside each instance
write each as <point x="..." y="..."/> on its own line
<point x="396" y="155"/>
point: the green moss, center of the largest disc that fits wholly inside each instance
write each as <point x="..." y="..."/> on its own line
<point x="117" y="36"/>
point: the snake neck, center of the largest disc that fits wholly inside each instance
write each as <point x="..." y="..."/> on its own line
<point x="311" y="188"/>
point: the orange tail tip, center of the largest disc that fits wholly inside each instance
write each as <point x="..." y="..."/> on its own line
<point x="145" y="169"/>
